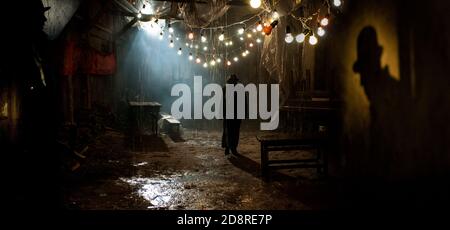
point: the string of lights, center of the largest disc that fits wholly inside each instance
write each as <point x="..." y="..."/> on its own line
<point x="262" y="23"/>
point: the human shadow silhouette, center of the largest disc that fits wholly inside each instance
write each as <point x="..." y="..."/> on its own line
<point x="387" y="103"/>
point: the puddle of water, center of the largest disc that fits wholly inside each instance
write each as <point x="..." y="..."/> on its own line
<point x="140" y="164"/>
<point x="159" y="192"/>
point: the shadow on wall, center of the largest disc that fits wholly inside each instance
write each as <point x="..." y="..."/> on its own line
<point x="388" y="102"/>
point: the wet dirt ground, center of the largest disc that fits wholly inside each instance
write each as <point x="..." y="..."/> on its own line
<point x="192" y="174"/>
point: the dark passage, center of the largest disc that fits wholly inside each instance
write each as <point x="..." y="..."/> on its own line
<point x="119" y="105"/>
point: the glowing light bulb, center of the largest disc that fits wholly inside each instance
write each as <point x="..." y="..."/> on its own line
<point x="191" y="36"/>
<point x="177" y="38"/>
<point x="219" y="60"/>
<point x="255" y="3"/>
<point x="275" y="15"/>
<point x="171" y="45"/>
<point x="198" y="60"/>
<point x="226" y="44"/>
<point x="196" y="46"/>
<point x="244" y="54"/>
<point x="249" y="35"/>
<point x="320" y="31"/>
<point x="205" y="65"/>
<point x="241" y="31"/>
<point x="228" y="63"/>
<point x="203" y="38"/>
<point x="191" y="46"/>
<point x="300" y="38"/>
<point x="236" y="59"/>
<point x="259" y="27"/>
<point x="190" y="57"/>
<point x="254" y="30"/>
<point x="221" y="36"/>
<point x="170" y="36"/>
<point x="139" y="15"/>
<point x="241" y="38"/>
<point x="313" y="40"/>
<point x="205" y="48"/>
<point x="258" y="40"/>
<point x="213" y="62"/>
<point x="247" y="52"/>
<point x="170" y="29"/>
<point x="251" y="44"/>
<point x="289" y="38"/>
<point x="324" y="21"/>
<point x="180" y="52"/>
<point x="337" y="3"/>
<point x="231" y="43"/>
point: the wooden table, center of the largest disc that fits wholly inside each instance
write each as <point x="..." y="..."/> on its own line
<point x="144" y="114"/>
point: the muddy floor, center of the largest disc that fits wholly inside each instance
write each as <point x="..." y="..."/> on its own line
<point x="191" y="174"/>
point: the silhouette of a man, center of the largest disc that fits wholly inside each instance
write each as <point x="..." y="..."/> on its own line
<point x="384" y="94"/>
<point x="231" y="126"/>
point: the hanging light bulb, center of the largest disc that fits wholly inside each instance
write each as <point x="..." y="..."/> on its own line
<point x="313" y="40"/>
<point x="191" y="46"/>
<point x="337" y="3"/>
<point x="219" y="60"/>
<point x="249" y="35"/>
<point x="180" y="52"/>
<point x="244" y="54"/>
<point x="241" y="30"/>
<point x="254" y="30"/>
<point x="139" y="15"/>
<point x="300" y="38"/>
<point x="222" y="36"/>
<point x="171" y="45"/>
<point x="213" y="62"/>
<point x="236" y="59"/>
<point x="255" y="3"/>
<point x="170" y="36"/>
<point x="170" y="29"/>
<point x="251" y="44"/>
<point x="198" y="60"/>
<point x="231" y="43"/>
<point x="241" y="38"/>
<point x="258" y="40"/>
<point x="203" y="38"/>
<point x="205" y="48"/>
<point x="191" y="36"/>
<point x="247" y="52"/>
<point x="259" y="27"/>
<point x="187" y="44"/>
<point x="275" y="15"/>
<point x="196" y="46"/>
<point x="228" y="63"/>
<point x="289" y="38"/>
<point x="325" y="21"/>
<point x="190" y="57"/>
<point x="226" y="44"/>
<point x="205" y="65"/>
<point x="320" y="31"/>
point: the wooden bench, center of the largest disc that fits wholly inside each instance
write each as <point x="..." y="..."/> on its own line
<point x="284" y="142"/>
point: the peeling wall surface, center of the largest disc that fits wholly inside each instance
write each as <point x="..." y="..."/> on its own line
<point x="59" y="15"/>
<point x="394" y="88"/>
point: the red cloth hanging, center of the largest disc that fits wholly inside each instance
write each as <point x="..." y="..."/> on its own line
<point x="86" y="60"/>
<point x="95" y="62"/>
